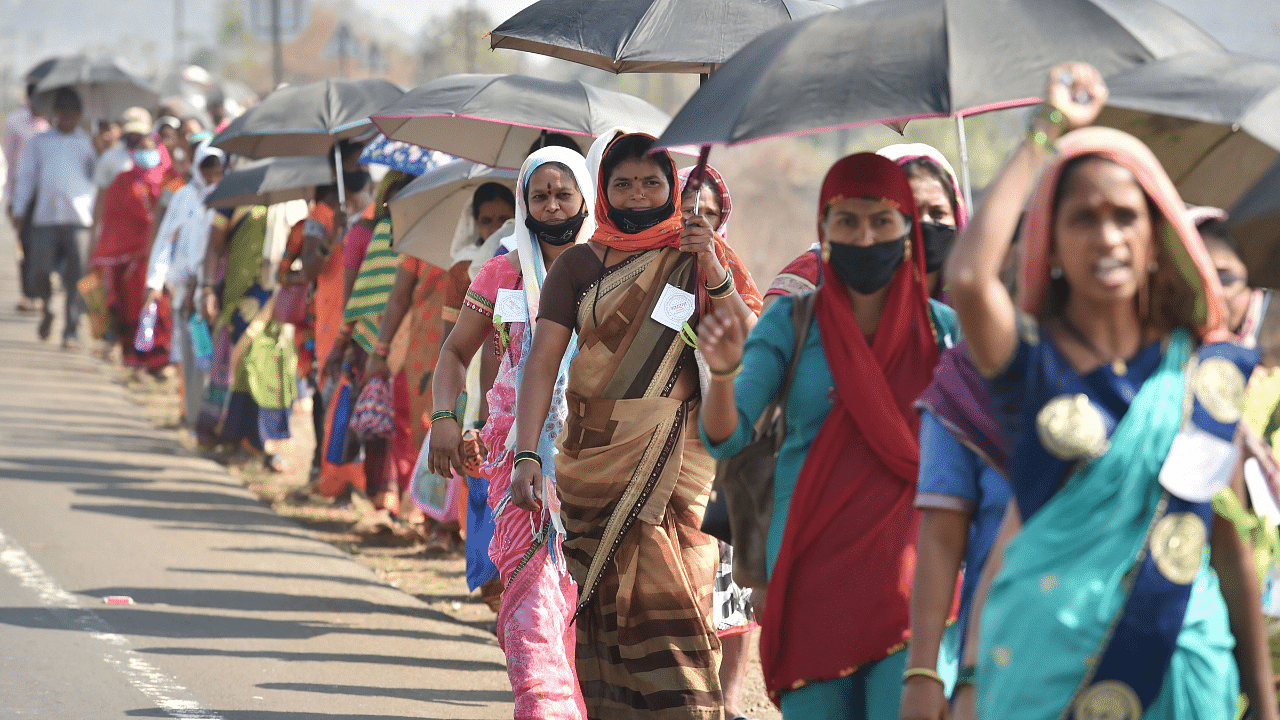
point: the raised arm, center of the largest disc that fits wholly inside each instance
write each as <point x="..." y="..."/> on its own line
<point x="982" y="303"/>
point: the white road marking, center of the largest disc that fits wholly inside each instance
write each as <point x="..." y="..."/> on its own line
<point x="149" y="680"/>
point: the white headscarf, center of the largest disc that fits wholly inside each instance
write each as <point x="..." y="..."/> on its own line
<point x="905" y="152"/>
<point x="531" y="265"/>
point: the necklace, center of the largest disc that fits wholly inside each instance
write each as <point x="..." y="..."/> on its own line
<point x="1118" y="365"/>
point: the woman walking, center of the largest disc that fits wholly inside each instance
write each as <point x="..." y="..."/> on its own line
<point x="554" y="196"/>
<point x="841" y="544"/>
<point x="1117" y="591"/>
<point x="633" y="477"/>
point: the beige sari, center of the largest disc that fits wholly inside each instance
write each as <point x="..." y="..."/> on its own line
<point x="634" y="480"/>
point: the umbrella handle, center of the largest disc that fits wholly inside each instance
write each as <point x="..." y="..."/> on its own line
<point x="337" y="173"/>
<point x="696" y="177"/>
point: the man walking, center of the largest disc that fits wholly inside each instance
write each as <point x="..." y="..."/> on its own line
<point x="21" y="125"/>
<point x="57" y="170"/>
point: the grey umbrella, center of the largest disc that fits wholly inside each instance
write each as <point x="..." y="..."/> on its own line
<point x="272" y="180"/>
<point x="307" y="119"/>
<point x="669" y="36"/>
<point x="493" y="119"/>
<point x="425" y="212"/>
<point x="105" y="88"/>
<point x="1213" y="120"/>
<point x="903" y="59"/>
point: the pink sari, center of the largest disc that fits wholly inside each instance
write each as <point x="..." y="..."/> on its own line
<point x="535" y="629"/>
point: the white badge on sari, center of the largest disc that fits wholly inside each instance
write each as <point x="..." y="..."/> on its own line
<point x="510" y="306"/>
<point x="674" y="307"/>
<point x="1199" y="464"/>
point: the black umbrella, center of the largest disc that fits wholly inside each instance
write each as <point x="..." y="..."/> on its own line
<point x="1213" y="120"/>
<point x="903" y="59"/>
<point x="106" y="89"/>
<point x="307" y="119"/>
<point x="1255" y="223"/>
<point x="493" y="119"/>
<point x="670" y="36"/>
<point x="272" y="180"/>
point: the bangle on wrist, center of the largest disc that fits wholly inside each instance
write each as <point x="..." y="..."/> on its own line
<point x="1052" y="116"/>
<point x="381" y="348"/>
<point x="732" y="372"/>
<point x="722" y="290"/>
<point x="966" y="676"/>
<point x="923" y="672"/>
<point x="527" y="455"/>
<point x="442" y="414"/>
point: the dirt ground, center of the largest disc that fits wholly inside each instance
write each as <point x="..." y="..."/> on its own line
<point x="398" y="556"/>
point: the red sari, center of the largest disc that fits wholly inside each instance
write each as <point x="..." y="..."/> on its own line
<point x="121" y="255"/>
<point x="848" y="550"/>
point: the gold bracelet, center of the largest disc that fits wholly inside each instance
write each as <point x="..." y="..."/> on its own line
<point x="923" y="672"/>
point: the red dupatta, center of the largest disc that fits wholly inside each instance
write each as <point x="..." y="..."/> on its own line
<point x="840" y="589"/>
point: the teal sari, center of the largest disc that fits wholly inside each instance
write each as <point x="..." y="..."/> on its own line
<point x="1066" y="577"/>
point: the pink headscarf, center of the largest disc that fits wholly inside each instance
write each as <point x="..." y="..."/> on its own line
<point x="713" y="176"/>
<point x="1178" y="234"/>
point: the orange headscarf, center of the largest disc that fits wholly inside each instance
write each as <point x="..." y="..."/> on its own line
<point x="667" y="232"/>
<point x="1181" y="240"/>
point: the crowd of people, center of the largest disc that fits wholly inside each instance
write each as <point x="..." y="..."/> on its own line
<point x="1009" y="481"/>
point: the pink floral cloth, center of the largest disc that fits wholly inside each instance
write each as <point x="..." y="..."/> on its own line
<point x="534" y="622"/>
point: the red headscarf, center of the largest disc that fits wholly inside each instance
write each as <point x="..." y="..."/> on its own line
<point x="840" y="590"/>
<point x="667" y="232"/>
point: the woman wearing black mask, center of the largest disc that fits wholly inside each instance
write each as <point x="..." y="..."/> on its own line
<point x="939" y="205"/>
<point x="632" y="475"/>
<point x="841" y="545"/>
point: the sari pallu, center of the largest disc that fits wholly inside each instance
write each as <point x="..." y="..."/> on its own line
<point x="1079" y="568"/>
<point x="634" y="479"/>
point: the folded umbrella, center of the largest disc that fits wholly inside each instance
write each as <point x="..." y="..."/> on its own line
<point x="425" y="213"/>
<point x="307" y="119"/>
<point x="668" y="36"/>
<point x="494" y="119"/>
<point x="272" y="180"/>
<point x="106" y="90"/>
<point x="1212" y="118"/>
<point x="402" y="156"/>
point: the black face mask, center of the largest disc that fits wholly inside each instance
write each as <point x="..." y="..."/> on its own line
<point x="868" y="268"/>
<point x="938" y="239"/>
<point x="637" y="221"/>
<point x="558" y="234"/>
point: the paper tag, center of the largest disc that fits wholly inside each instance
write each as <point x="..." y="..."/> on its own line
<point x="511" y="306"/>
<point x="674" y="307"/>
<point x="1260" y="492"/>
<point x="1199" y="464"/>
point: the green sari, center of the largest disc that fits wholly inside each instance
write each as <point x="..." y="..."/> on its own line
<point x="1066" y="577"/>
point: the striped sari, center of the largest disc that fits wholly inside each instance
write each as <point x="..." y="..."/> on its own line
<point x="634" y="479"/>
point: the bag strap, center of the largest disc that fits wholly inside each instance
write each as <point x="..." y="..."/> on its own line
<point x="801" y="318"/>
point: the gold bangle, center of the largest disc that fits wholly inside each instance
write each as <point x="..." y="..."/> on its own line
<point x="724" y="289"/>
<point x="732" y="372"/>
<point x="923" y="672"/>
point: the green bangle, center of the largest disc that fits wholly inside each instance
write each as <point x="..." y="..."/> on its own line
<point x="442" y="414"/>
<point x="966" y="675"/>
<point x="722" y="290"/>
<point x="527" y="455"/>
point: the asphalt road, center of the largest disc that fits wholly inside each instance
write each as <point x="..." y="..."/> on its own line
<point x="237" y="613"/>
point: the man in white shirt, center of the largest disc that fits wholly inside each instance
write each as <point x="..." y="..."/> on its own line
<point x="21" y="125"/>
<point x="57" y="170"/>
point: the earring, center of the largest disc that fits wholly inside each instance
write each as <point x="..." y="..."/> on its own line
<point x="1055" y="273"/>
<point x="826" y="251"/>
<point x="1153" y="267"/>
